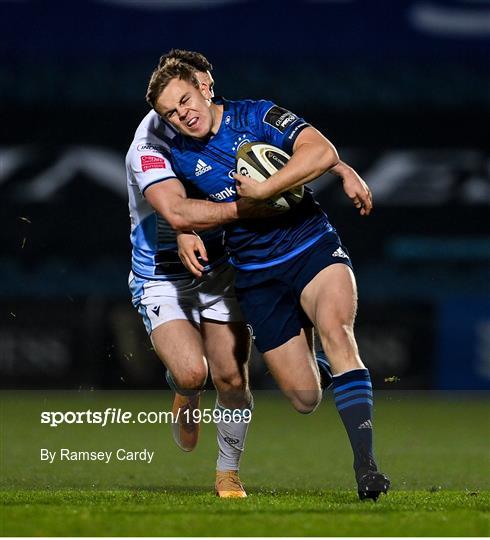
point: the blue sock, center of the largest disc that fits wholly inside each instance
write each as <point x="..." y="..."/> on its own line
<point x="324" y="369"/>
<point x="354" y="400"/>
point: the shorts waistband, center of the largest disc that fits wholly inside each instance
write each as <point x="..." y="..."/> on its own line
<point x="279" y="260"/>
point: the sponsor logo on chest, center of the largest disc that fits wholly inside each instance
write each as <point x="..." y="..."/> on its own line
<point x="223" y="194"/>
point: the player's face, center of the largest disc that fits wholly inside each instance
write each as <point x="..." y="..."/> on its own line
<point x="186" y="108"/>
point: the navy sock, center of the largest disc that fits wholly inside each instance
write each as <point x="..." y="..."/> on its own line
<point x="324" y="369"/>
<point x="354" y="400"/>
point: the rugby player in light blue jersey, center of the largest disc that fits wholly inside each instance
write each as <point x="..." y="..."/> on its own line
<point x="191" y="323"/>
<point x="291" y="270"/>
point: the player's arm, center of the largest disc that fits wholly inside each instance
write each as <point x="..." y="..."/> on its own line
<point x="354" y="187"/>
<point x="313" y="154"/>
<point x="169" y="199"/>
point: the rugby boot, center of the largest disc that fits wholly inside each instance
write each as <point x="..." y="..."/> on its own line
<point x="185" y="429"/>
<point x="370" y="482"/>
<point x="228" y="485"/>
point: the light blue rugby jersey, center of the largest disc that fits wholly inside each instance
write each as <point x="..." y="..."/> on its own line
<point x="253" y="244"/>
<point x="154" y="252"/>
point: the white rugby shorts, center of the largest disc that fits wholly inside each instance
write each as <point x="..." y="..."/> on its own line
<point x="211" y="297"/>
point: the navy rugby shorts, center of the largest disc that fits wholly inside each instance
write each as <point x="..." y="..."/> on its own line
<point x="270" y="297"/>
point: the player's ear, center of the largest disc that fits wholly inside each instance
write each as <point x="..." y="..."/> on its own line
<point x="205" y="91"/>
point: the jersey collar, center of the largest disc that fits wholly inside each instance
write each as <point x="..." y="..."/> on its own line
<point x="220" y="100"/>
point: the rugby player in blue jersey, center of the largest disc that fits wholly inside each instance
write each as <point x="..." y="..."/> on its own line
<point x="191" y="325"/>
<point x="291" y="270"/>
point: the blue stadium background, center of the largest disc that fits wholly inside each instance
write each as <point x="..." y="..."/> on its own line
<point x="403" y="90"/>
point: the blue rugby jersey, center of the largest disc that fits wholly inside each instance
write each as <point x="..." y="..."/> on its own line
<point x="154" y="253"/>
<point x="253" y="244"/>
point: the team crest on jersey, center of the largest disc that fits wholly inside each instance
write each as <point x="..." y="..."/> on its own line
<point x="241" y="140"/>
<point x="152" y="162"/>
<point x="279" y="118"/>
<point x="148" y="147"/>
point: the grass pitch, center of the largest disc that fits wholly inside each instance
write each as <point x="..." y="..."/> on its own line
<point x="297" y="471"/>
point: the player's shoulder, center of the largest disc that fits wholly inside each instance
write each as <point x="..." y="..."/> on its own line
<point x="152" y="135"/>
<point x="248" y="106"/>
<point x="152" y="138"/>
<point x="245" y="113"/>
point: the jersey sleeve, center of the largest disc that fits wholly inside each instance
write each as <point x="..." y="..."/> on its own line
<point x="277" y="126"/>
<point x="148" y="164"/>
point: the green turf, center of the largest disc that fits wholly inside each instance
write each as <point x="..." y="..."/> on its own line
<point x="293" y="513"/>
<point x="297" y="470"/>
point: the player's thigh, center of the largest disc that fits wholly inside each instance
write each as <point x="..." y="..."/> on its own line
<point x="170" y="313"/>
<point x="227" y="346"/>
<point x="292" y="364"/>
<point x="179" y="346"/>
<point x="271" y="310"/>
<point x="293" y="367"/>
<point x="330" y="300"/>
<point x="161" y="301"/>
<point x="225" y="335"/>
<point x="216" y="296"/>
<point x="331" y="296"/>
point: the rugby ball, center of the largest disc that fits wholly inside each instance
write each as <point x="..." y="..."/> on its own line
<point x="259" y="161"/>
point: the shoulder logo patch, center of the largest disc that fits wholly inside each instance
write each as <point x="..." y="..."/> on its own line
<point x="279" y="118"/>
<point x="152" y="162"/>
<point x="149" y="147"/>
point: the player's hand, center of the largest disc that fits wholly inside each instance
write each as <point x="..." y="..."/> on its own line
<point x="190" y="246"/>
<point x="358" y="191"/>
<point x="248" y="187"/>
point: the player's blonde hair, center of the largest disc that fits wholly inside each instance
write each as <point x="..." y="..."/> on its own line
<point x="171" y="69"/>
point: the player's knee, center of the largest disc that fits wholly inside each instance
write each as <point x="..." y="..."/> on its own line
<point x="229" y="382"/>
<point x="306" y="401"/>
<point x="338" y="334"/>
<point x="192" y="379"/>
